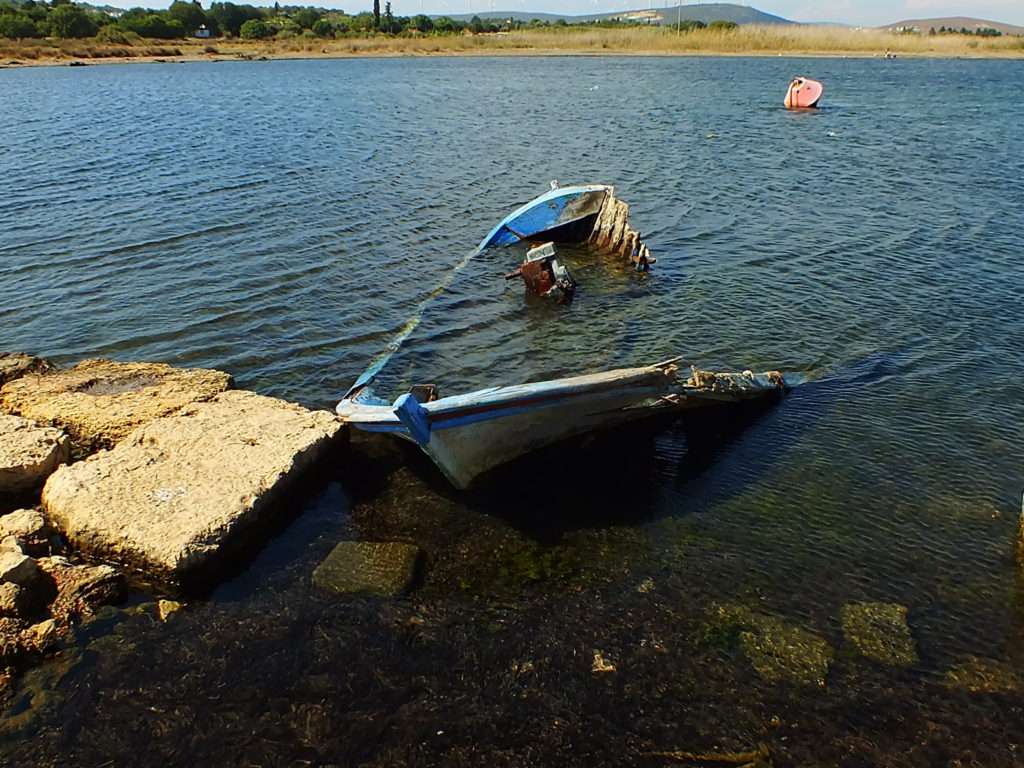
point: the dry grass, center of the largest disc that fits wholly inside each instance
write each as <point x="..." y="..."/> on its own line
<point x="69" y="50"/>
<point x="746" y="40"/>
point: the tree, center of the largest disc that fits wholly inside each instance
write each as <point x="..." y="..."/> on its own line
<point x="362" y="22"/>
<point x="71" y="21"/>
<point x="306" y="17"/>
<point x="722" y="26"/>
<point x="376" y="14"/>
<point x="389" y="20"/>
<point x="17" y="26"/>
<point x="476" y="24"/>
<point x="445" y="25"/>
<point x="322" y="28"/>
<point x="229" y="17"/>
<point x="256" y="29"/>
<point x="422" y="23"/>
<point x="190" y="15"/>
<point x="151" y="25"/>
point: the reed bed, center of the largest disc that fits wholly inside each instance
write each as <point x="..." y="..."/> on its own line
<point x="750" y="40"/>
<point x="761" y="40"/>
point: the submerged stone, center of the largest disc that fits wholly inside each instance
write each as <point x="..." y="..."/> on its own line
<point x="183" y="489"/>
<point x="383" y="569"/>
<point x="166" y="608"/>
<point x="99" y="402"/>
<point x="880" y="632"/>
<point x="601" y="665"/>
<point x="29" y="453"/>
<point x="39" y="695"/>
<point x="777" y="649"/>
<point x="979" y="675"/>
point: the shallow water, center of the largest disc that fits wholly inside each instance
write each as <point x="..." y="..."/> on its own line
<point x="282" y="220"/>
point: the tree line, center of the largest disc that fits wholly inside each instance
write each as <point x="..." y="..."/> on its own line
<point x="979" y="32"/>
<point x="64" y="19"/>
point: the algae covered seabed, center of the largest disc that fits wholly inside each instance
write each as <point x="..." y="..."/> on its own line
<point x="834" y="577"/>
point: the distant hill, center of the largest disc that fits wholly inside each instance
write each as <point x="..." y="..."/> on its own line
<point x="955" y="22"/>
<point x="706" y="12"/>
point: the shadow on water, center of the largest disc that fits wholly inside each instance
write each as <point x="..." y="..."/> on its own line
<point x="743" y="447"/>
<point x="613" y="478"/>
<point x="609" y="478"/>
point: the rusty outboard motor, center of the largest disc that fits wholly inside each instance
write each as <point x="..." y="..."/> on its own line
<point x="544" y="276"/>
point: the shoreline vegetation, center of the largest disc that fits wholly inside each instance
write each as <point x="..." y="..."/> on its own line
<point x="745" y="41"/>
<point x="60" y="32"/>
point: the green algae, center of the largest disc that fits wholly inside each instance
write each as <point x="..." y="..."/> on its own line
<point x="38" y="696"/>
<point x="978" y="675"/>
<point x="880" y="632"/>
<point x="778" y="650"/>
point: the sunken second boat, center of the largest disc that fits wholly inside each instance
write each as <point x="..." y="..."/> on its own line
<point x="468" y="435"/>
<point x="584" y="213"/>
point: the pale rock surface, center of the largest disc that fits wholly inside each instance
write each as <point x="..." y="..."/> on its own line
<point x="10" y="599"/>
<point x="383" y="569"/>
<point x="29" y="453"/>
<point x="17" y="568"/>
<point x="40" y="637"/>
<point x="171" y="496"/>
<point x="28" y="528"/>
<point x="99" y="402"/>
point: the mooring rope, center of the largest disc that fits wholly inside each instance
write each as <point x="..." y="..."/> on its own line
<point x="379" y="362"/>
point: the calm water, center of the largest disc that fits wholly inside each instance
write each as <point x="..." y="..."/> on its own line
<point x="282" y="220"/>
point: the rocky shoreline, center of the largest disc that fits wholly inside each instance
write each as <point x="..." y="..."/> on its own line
<point x="111" y="470"/>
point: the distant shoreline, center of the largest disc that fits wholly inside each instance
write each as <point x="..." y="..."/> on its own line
<point x="812" y="42"/>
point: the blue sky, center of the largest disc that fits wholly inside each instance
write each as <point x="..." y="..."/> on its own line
<point x="867" y="12"/>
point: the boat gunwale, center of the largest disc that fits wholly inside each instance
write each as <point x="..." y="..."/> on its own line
<point x="552" y="194"/>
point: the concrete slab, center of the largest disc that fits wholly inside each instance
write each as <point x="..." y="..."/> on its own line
<point x="99" y="402"/>
<point x="180" y="491"/>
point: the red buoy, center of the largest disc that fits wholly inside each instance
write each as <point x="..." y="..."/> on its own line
<point x="803" y="93"/>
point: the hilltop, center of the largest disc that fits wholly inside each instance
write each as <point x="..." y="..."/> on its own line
<point x="955" y="22"/>
<point x="706" y="12"/>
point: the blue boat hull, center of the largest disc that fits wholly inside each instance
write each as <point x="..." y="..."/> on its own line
<point x="468" y="435"/>
<point x="557" y="210"/>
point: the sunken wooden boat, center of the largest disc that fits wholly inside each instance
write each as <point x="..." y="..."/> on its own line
<point x="580" y="214"/>
<point x="468" y="435"/>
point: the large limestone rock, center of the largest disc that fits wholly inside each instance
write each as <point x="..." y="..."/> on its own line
<point x="99" y="402"/>
<point x="172" y="496"/>
<point x="29" y="453"/>
<point x="14" y="365"/>
<point x="383" y="569"/>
